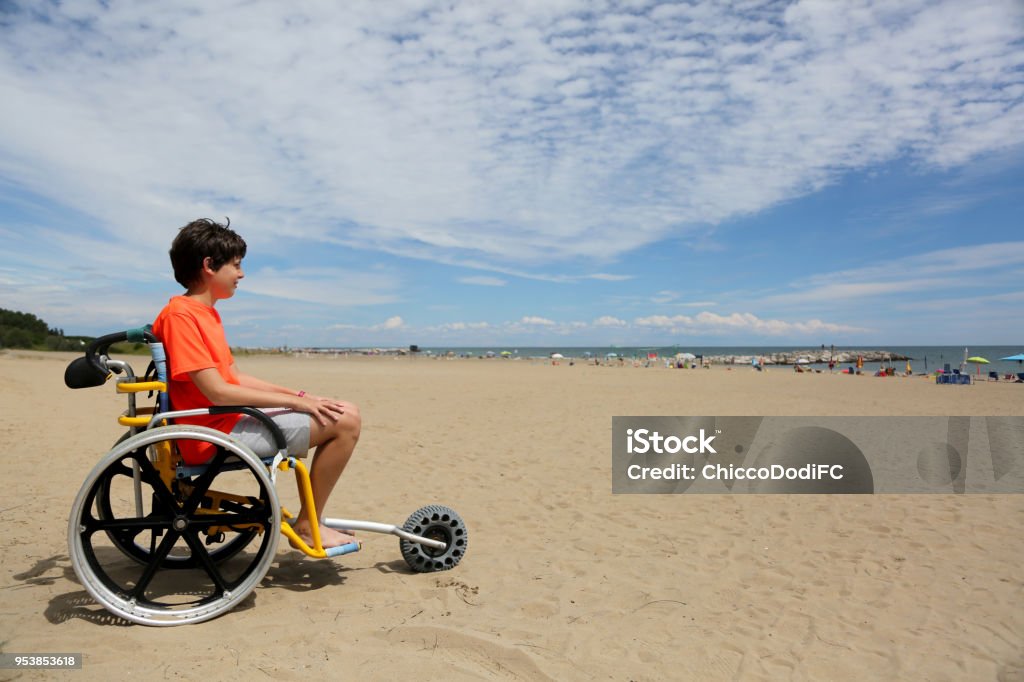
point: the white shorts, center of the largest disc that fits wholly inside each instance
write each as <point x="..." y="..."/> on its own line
<point x="295" y="426"/>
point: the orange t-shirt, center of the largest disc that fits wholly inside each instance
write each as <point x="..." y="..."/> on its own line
<point x="193" y="338"/>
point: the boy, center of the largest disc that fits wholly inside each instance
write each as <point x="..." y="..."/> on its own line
<point x="207" y="261"/>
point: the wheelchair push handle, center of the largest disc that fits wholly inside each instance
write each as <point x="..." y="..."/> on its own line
<point x="103" y="343"/>
<point x="91" y="370"/>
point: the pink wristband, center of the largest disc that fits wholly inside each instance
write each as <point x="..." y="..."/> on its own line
<point x="301" y="394"/>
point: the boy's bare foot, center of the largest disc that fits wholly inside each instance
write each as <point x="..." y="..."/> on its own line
<point x="328" y="536"/>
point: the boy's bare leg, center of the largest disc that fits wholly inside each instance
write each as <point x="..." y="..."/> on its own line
<point x="334" y="443"/>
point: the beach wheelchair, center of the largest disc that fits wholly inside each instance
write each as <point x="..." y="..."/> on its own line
<point x="160" y="542"/>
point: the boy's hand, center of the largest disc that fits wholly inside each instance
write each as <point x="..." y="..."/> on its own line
<point x="322" y="410"/>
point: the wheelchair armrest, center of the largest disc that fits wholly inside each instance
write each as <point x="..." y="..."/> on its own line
<point x="275" y="430"/>
<point x="279" y="440"/>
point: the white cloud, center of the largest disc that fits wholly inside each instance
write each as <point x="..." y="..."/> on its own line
<point x="672" y="297"/>
<point x="395" y="322"/>
<point x="609" y="321"/>
<point x="609" y="277"/>
<point x="663" y="321"/>
<point x="483" y="281"/>
<point x="324" y="286"/>
<point x="492" y="132"/>
<point x="997" y="265"/>
<point x="744" y="323"/>
<point x="532" y="330"/>
<point x="463" y="326"/>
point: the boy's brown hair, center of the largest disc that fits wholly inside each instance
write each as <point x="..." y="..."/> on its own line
<point x="199" y="240"/>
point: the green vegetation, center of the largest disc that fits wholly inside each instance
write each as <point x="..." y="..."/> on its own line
<point x="25" y="330"/>
<point x="129" y="349"/>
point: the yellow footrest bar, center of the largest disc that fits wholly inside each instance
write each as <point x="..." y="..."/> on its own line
<point x="317" y="550"/>
<point x="140" y="386"/>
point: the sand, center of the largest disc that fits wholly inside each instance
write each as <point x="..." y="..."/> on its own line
<point x="562" y="580"/>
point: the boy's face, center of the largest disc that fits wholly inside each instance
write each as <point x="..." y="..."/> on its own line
<point x="224" y="280"/>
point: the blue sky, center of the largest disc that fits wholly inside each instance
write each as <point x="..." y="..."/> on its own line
<point x="528" y="173"/>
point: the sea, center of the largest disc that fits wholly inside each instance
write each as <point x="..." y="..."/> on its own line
<point x="923" y="358"/>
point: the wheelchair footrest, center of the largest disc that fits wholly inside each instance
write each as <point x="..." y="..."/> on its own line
<point x="342" y="549"/>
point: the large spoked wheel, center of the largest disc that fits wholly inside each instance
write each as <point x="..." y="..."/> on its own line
<point x="117" y="489"/>
<point x="435" y="522"/>
<point x="172" y="576"/>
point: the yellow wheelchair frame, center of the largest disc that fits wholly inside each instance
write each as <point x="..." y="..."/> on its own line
<point x="202" y="550"/>
<point x="167" y="461"/>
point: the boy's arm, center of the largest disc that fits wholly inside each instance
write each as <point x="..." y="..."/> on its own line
<point x="219" y="392"/>
<point x="250" y="381"/>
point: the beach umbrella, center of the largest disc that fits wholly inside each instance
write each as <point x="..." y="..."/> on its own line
<point x="979" y="361"/>
<point x="1019" y="357"/>
<point x="557" y="356"/>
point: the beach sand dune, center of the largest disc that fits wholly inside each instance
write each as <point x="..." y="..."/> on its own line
<point x="563" y="580"/>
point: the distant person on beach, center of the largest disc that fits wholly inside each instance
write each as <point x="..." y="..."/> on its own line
<point x="207" y="261"/>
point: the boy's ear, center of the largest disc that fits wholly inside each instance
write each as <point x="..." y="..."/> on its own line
<point x="205" y="272"/>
